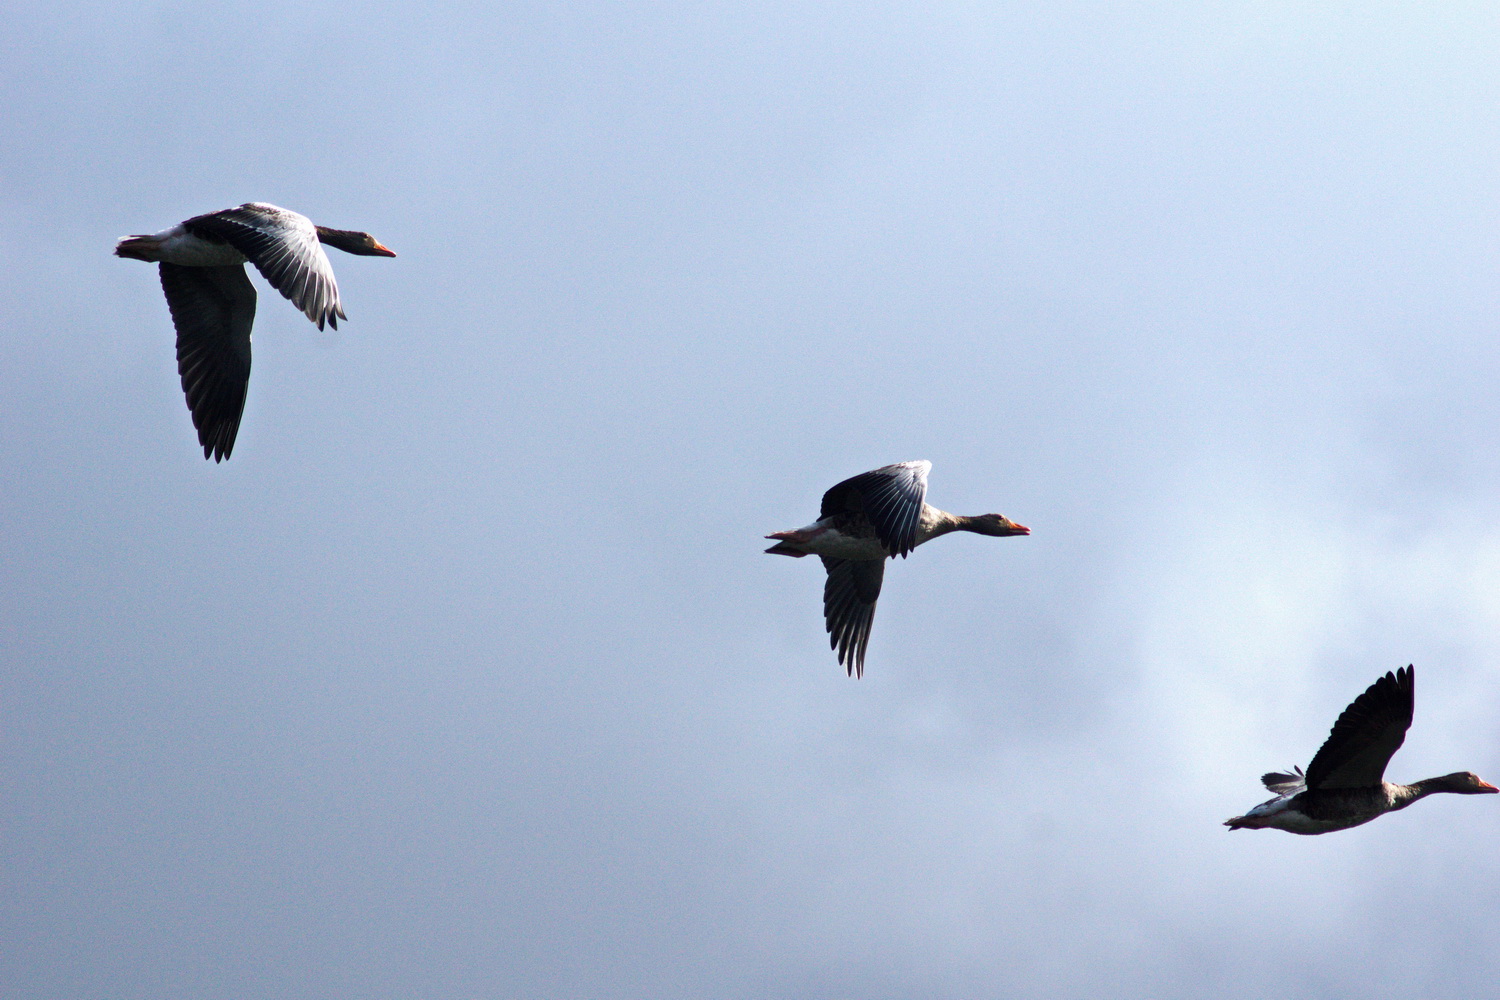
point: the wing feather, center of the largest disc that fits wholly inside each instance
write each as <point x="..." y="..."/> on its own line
<point x="1367" y="734"/>
<point x="890" y="497"/>
<point x="284" y="246"/>
<point x="213" y="309"/>
<point x="849" y="597"/>
<point x="1285" y="783"/>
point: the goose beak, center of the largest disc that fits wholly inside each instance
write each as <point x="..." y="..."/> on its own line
<point x="1485" y="786"/>
<point x="379" y="250"/>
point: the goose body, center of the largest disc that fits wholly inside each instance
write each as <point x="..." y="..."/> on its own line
<point x="212" y="302"/>
<point x="864" y="521"/>
<point x="1344" y="785"/>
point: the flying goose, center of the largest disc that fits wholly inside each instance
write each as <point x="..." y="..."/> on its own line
<point x="865" y="520"/>
<point x="213" y="303"/>
<point x="1344" y="785"/>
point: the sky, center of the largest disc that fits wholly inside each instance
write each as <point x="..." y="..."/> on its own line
<point x="466" y="676"/>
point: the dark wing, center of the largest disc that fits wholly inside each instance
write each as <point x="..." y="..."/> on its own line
<point x="849" y="598"/>
<point x="1367" y="734"/>
<point x="213" y="309"/>
<point x="890" y="498"/>
<point x="284" y="247"/>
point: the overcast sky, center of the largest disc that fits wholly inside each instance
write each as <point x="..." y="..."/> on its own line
<point x="466" y="676"/>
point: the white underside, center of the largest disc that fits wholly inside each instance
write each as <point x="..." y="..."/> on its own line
<point x="1279" y="814"/>
<point x="179" y="247"/>
<point x="828" y="542"/>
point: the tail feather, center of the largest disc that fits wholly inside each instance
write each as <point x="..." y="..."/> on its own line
<point x="783" y="549"/>
<point x="137" y="248"/>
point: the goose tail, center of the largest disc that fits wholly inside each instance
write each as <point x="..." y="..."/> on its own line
<point x="145" y="248"/>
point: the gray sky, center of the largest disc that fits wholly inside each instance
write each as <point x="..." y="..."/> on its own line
<point x="466" y="676"/>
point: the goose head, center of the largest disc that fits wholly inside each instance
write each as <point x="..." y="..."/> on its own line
<point x="352" y="242"/>
<point x="994" y="524"/>
<point x="1464" y="783"/>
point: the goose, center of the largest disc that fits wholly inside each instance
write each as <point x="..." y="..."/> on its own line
<point x="865" y="520"/>
<point x="213" y="303"/>
<point x="1344" y="785"/>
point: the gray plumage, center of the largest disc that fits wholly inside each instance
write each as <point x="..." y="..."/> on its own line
<point x="886" y="502"/>
<point x="213" y="303"/>
<point x="863" y="521"/>
<point x="1345" y="784"/>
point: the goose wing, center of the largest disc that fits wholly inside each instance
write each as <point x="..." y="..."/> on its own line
<point x="284" y="247"/>
<point x="890" y="498"/>
<point x="849" y="597"/>
<point x="1366" y="735"/>
<point x="213" y="309"/>
<point x="1285" y="783"/>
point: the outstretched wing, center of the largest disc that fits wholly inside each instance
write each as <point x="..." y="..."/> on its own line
<point x="213" y="309"/>
<point x="849" y="597"/>
<point x="1366" y="735"/>
<point x="284" y="247"/>
<point x="890" y="498"/>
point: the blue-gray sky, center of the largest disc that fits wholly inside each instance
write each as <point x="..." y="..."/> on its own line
<point x="466" y="675"/>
